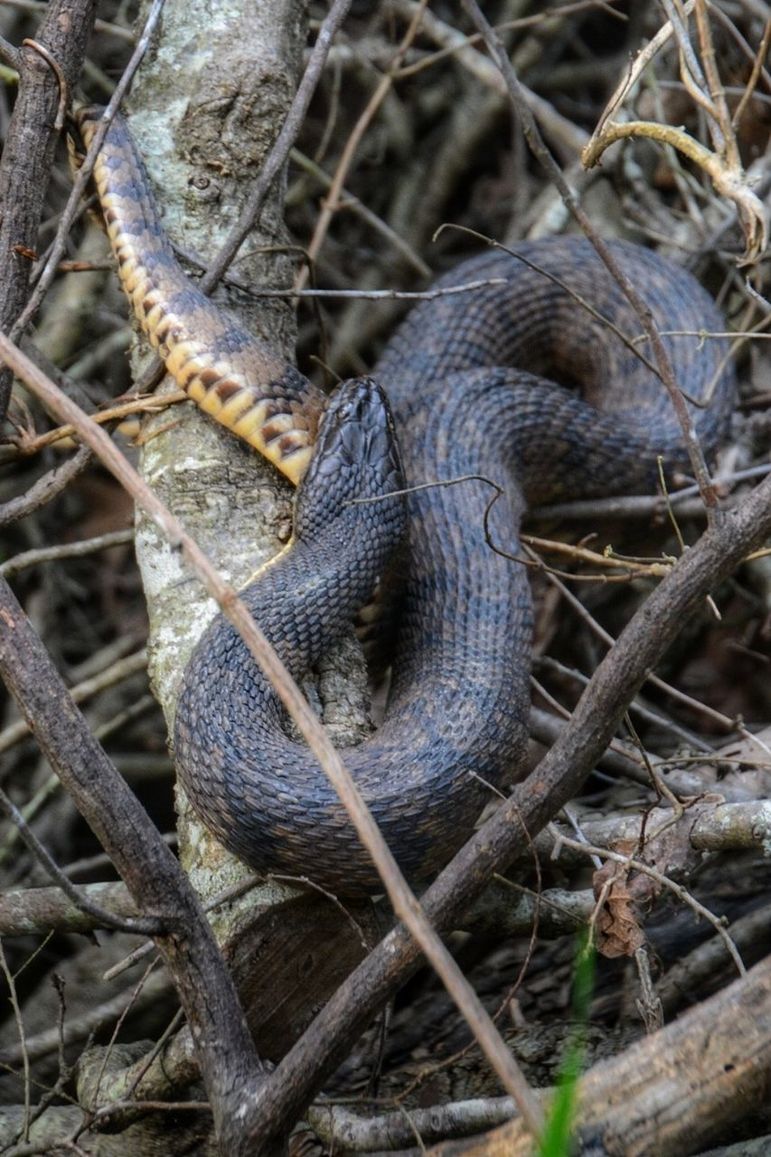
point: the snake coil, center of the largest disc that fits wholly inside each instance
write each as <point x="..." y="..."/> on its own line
<point x="524" y="382"/>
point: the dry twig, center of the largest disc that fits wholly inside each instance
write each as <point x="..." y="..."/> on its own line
<point x="722" y="163"/>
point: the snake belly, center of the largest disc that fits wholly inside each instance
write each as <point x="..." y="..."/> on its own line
<point x="520" y="384"/>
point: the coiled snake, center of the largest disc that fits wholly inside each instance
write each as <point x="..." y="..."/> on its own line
<point x="456" y="721"/>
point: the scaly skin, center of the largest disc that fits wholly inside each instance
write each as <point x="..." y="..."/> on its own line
<point x="456" y="722"/>
<point x="231" y="375"/>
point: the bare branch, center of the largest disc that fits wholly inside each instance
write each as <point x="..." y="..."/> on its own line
<point x="29" y="148"/>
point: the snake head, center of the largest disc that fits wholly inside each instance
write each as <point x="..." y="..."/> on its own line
<point x="355" y="472"/>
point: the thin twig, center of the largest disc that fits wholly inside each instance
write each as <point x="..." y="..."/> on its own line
<point x="722" y="163"/>
<point x="139" y="925"/>
<point x="144" y="404"/>
<point x="10" y="54"/>
<point x="80" y="549"/>
<point x="637" y="68"/>
<point x="46" y="488"/>
<point x="353" y="204"/>
<point x="14" y="1001"/>
<point x="382" y="294"/>
<point x="727" y="724"/>
<point x="556" y="126"/>
<point x="277" y="157"/>
<point x="757" y="69"/>
<point x="333" y="198"/>
<point x="639" y="505"/>
<point x="123" y="668"/>
<point x="99" y="25"/>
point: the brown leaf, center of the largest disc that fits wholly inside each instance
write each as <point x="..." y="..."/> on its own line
<point x="617" y="928"/>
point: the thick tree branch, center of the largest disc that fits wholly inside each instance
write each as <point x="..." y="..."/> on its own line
<point x="29" y="149"/>
<point x="672" y="1092"/>
<point x="37" y="911"/>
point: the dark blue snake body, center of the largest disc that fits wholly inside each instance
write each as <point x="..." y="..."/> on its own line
<point x="457" y="717"/>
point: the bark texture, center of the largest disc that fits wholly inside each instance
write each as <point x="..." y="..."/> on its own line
<point x="29" y="150"/>
<point x="206" y="106"/>
<point x="668" y="1094"/>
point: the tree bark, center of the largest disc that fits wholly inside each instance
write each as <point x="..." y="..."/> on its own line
<point x="205" y="111"/>
<point x="29" y="150"/>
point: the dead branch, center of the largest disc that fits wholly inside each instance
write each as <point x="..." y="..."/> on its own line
<point x="157" y="883"/>
<point x="670" y="1092"/>
<point x="38" y="910"/>
<point x="722" y="162"/>
<point x="29" y="148"/>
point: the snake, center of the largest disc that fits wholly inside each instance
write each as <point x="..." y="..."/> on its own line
<point x="520" y="379"/>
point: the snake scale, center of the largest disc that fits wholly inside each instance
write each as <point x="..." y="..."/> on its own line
<point x="516" y="383"/>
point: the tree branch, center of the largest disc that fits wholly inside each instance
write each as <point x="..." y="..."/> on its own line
<point x="229" y="1063"/>
<point x="671" y="1092"/>
<point x="29" y="148"/>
